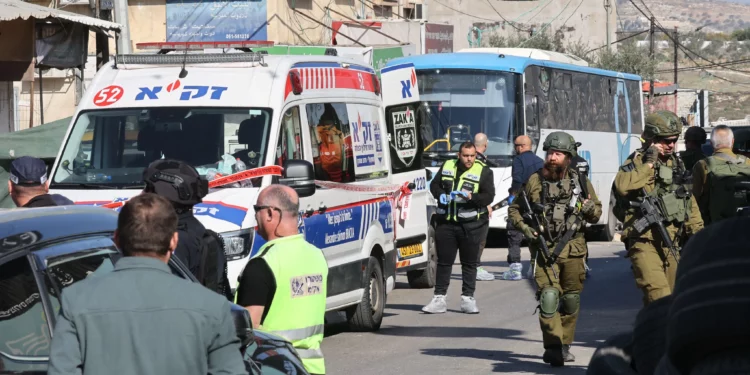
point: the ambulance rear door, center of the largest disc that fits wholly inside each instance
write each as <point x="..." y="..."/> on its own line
<point x="414" y="236"/>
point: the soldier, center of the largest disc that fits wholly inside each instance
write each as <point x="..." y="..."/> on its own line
<point x="695" y="137"/>
<point x="556" y="191"/>
<point x="656" y="170"/>
<point x="717" y="177"/>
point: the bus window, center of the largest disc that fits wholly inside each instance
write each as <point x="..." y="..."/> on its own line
<point x="459" y="103"/>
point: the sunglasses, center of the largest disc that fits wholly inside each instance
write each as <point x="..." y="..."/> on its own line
<point x="667" y="141"/>
<point x="258" y="208"/>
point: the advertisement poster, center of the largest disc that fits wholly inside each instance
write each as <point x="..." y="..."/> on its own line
<point x="220" y="21"/>
<point x="438" y="38"/>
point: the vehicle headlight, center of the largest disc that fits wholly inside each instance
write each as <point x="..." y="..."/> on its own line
<point x="238" y="244"/>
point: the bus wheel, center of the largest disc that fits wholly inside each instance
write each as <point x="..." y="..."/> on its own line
<point x="422" y="279"/>
<point x="368" y="314"/>
<point x="608" y="230"/>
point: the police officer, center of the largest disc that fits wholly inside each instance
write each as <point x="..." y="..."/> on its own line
<point x="714" y="178"/>
<point x="656" y="169"/>
<point x="28" y="184"/>
<point x="463" y="189"/>
<point x="695" y="137"/>
<point x="559" y="279"/>
<point x="202" y="251"/>
<point x="284" y="285"/>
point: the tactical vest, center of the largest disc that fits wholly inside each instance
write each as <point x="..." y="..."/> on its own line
<point x="670" y="186"/>
<point x="299" y="304"/>
<point x="560" y="200"/>
<point x="459" y="210"/>
<point x="726" y="193"/>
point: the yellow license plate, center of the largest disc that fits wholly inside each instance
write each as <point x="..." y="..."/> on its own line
<point x="410" y="251"/>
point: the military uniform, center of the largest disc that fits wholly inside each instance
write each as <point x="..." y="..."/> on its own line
<point x="565" y="283"/>
<point x="723" y="162"/>
<point x="693" y="155"/>
<point x="654" y="266"/>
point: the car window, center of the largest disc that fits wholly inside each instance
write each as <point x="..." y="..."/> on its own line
<point x="24" y="333"/>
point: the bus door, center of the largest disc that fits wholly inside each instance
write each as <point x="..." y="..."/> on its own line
<point x="623" y="121"/>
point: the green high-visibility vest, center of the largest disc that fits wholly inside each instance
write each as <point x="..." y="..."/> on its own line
<point x="458" y="210"/>
<point x="298" y="309"/>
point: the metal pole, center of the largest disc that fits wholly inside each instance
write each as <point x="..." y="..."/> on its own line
<point x="676" y="44"/>
<point x="121" y="17"/>
<point x="651" y="55"/>
<point x="41" y="98"/>
<point x="606" y="10"/>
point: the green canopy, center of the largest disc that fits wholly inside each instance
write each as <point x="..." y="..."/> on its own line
<point x="42" y="141"/>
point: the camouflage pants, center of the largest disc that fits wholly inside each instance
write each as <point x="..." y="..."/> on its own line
<point x="560" y="328"/>
<point x="655" y="278"/>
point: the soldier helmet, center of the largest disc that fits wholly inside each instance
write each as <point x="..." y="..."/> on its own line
<point x="561" y="141"/>
<point x="175" y="180"/>
<point x="695" y="133"/>
<point x="662" y="124"/>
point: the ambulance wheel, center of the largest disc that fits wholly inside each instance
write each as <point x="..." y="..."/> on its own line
<point x="421" y="279"/>
<point x="368" y="314"/>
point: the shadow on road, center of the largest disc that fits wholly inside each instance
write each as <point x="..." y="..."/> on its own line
<point x="508" y="362"/>
<point x="452" y="332"/>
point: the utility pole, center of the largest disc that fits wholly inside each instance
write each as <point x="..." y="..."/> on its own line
<point x="606" y="10"/>
<point x="651" y="55"/>
<point x="121" y="17"/>
<point x="676" y="45"/>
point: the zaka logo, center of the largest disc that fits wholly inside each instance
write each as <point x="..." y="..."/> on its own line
<point x="366" y="130"/>
<point x="188" y="92"/>
<point x="108" y="95"/>
<point x="407" y="85"/>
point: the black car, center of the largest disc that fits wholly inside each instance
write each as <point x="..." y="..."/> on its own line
<point x="45" y="250"/>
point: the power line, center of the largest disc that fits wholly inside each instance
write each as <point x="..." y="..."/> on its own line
<point x="718" y="65"/>
<point x="618" y="41"/>
<point x="464" y="13"/>
<point x="504" y="19"/>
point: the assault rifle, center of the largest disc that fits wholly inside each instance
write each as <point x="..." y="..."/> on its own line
<point x="537" y="225"/>
<point x="742" y="187"/>
<point x="652" y="217"/>
<point x="501" y="204"/>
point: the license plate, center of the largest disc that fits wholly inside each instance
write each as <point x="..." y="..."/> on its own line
<point x="410" y="251"/>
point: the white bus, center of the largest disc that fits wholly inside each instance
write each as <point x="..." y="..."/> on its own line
<point x="508" y="92"/>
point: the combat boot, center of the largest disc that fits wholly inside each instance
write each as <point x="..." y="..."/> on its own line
<point x="567" y="355"/>
<point x="554" y="356"/>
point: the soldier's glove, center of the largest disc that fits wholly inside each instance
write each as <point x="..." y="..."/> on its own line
<point x="651" y="155"/>
<point x="588" y="207"/>
<point x="529" y="233"/>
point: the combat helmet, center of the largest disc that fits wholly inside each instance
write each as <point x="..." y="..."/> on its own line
<point x="561" y="141"/>
<point x="175" y="180"/>
<point x="662" y="124"/>
<point x="695" y="133"/>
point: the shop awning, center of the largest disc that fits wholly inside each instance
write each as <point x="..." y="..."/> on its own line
<point x="17" y="9"/>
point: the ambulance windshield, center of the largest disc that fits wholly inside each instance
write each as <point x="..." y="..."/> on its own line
<point x="459" y="103"/>
<point x="111" y="148"/>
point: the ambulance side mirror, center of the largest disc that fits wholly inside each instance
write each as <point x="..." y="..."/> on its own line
<point x="300" y="176"/>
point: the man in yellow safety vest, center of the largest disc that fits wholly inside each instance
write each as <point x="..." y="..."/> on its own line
<point x="284" y="285"/>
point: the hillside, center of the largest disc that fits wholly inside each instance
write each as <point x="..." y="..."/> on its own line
<point x="714" y="15"/>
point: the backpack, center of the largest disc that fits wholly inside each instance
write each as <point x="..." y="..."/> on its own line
<point x="725" y="174"/>
<point x="212" y="272"/>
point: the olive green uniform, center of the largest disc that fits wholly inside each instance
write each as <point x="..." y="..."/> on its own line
<point x="558" y="329"/>
<point x="654" y="267"/>
<point x="691" y="157"/>
<point x="700" y="181"/>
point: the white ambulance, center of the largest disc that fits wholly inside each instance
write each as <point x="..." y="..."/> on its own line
<point x="239" y="118"/>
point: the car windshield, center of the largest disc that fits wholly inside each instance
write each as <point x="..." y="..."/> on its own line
<point x="111" y="148"/>
<point x="459" y="103"/>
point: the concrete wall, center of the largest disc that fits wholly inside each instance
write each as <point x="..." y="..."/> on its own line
<point x="583" y="20"/>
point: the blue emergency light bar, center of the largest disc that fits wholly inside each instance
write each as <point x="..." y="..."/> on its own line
<point x="180" y="59"/>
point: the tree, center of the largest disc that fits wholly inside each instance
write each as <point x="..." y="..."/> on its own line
<point x="741" y="34"/>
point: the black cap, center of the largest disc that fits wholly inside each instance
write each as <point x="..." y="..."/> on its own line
<point x="28" y="171"/>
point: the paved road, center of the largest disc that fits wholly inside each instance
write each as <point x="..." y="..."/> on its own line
<point x="503" y="338"/>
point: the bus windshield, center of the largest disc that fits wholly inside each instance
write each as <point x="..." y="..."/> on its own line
<point x="459" y="103"/>
<point x="110" y="148"/>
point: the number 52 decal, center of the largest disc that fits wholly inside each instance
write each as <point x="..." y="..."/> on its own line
<point x="108" y="95"/>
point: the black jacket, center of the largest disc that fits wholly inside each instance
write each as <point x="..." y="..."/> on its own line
<point x="44" y="200"/>
<point x="524" y="165"/>
<point x="188" y="248"/>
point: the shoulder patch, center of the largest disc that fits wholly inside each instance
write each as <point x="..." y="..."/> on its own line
<point x="447" y="172"/>
<point x="308" y="285"/>
<point x="628" y="167"/>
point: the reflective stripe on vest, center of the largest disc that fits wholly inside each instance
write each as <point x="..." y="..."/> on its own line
<point x="297" y="312"/>
<point x="458" y="211"/>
